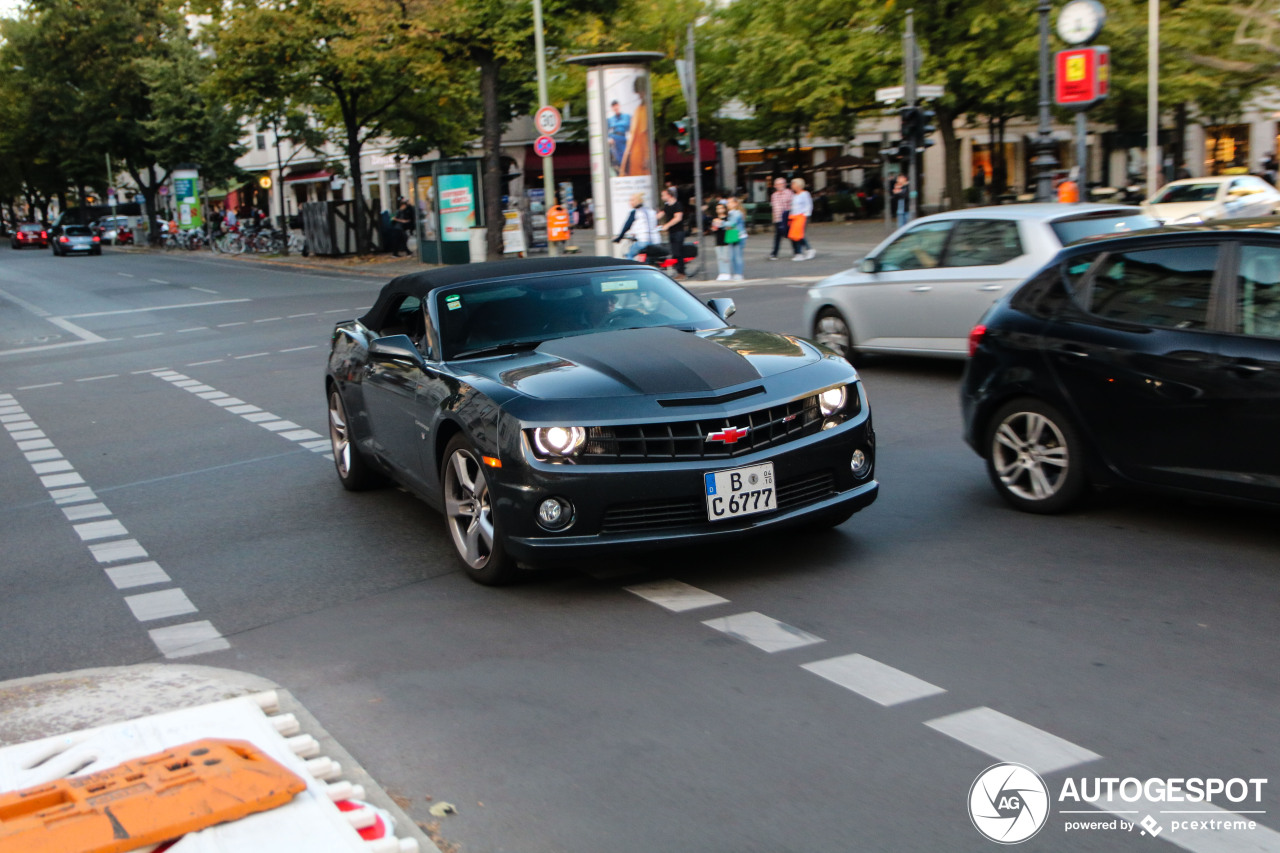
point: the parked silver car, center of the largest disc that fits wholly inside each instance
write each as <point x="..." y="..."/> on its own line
<point x="921" y="291"/>
<point x="1194" y="200"/>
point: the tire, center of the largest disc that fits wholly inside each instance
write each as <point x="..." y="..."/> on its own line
<point x="1035" y="457"/>
<point x="354" y="471"/>
<point x="468" y="511"/>
<point x="832" y="331"/>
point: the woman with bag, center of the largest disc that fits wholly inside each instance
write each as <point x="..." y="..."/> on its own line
<point x="801" y="211"/>
<point x="718" y="226"/>
<point x="735" y="236"/>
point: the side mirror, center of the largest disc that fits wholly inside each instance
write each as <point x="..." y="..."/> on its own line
<point x="869" y="265"/>
<point x="396" y="348"/>
<point x="724" y="307"/>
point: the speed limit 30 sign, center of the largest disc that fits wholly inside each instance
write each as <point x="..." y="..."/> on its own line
<point x="547" y="120"/>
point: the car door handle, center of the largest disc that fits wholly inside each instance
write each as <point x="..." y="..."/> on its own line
<point x="1073" y="351"/>
<point x="1247" y="366"/>
<point x="991" y="287"/>
<point x="924" y="288"/>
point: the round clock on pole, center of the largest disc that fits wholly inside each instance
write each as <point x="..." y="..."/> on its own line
<point x="1080" y="21"/>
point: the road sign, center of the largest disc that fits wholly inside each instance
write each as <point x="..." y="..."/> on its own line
<point x="547" y="120"/>
<point x="544" y="146"/>
<point x="899" y="93"/>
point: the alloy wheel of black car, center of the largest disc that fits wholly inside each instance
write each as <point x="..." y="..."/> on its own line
<point x="831" y="330"/>
<point x="468" y="510"/>
<point x="354" y="470"/>
<point x="1034" y="458"/>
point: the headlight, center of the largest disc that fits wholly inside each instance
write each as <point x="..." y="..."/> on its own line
<point x="832" y="400"/>
<point x="559" y="441"/>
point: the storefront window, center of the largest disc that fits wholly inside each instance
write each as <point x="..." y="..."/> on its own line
<point x="1226" y="149"/>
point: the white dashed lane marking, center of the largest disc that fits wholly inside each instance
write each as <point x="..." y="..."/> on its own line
<point x="876" y="681"/>
<point x="305" y="438"/>
<point x="675" y="595"/>
<point x="763" y="632"/>
<point x="1008" y="739"/>
<point x="108" y="541"/>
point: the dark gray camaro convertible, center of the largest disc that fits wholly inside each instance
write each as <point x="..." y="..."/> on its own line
<point x="561" y="408"/>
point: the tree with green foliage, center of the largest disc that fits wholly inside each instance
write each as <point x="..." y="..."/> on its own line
<point x="117" y="77"/>
<point x="361" y="69"/>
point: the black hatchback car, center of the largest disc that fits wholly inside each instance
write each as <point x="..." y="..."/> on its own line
<point x="1151" y="359"/>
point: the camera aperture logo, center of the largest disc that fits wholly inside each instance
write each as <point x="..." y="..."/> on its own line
<point x="1008" y="803"/>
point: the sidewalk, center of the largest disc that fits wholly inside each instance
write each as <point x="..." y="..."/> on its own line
<point x="839" y="245"/>
<point x="46" y="706"/>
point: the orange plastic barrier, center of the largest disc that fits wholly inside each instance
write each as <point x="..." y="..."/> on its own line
<point x="145" y="801"/>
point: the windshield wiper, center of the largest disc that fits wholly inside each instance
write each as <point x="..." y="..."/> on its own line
<point x="499" y="349"/>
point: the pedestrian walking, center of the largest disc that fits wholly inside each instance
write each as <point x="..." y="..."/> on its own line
<point x="403" y="223"/>
<point x="674" y="225"/>
<point x="900" y="197"/>
<point x="735" y="235"/>
<point x="780" y="203"/>
<point x="719" y="222"/>
<point x="641" y="226"/>
<point x="801" y="213"/>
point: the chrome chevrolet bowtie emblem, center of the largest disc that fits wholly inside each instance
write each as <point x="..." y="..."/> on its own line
<point x="729" y="435"/>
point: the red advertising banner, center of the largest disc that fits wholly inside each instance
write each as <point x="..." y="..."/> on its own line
<point x="1083" y="76"/>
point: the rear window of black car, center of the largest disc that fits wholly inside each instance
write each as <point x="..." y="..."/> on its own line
<point x="1097" y="225"/>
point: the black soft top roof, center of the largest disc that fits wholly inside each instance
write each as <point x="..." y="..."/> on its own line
<point x="421" y="283"/>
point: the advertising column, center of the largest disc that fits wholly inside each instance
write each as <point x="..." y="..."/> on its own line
<point x="620" y="131"/>
<point x="186" y="197"/>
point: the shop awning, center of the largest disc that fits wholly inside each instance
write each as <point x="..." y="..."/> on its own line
<point x="309" y="177"/>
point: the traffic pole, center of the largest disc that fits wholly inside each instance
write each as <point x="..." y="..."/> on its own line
<point x="909" y="95"/>
<point x="697" y="153"/>
<point x="548" y="170"/>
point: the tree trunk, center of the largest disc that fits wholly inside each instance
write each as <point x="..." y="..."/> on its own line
<point x="951" y="156"/>
<point x="1000" y="164"/>
<point x="491" y="139"/>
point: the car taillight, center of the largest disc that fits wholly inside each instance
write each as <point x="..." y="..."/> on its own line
<point x="97" y="239"/>
<point x="64" y="239"/>
<point x="975" y="338"/>
<point x="44" y="235"/>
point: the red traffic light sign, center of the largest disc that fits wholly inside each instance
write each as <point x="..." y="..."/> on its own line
<point x="1083" y="76"/>
<point x="544" y="146"/>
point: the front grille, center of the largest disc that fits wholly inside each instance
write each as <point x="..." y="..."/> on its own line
<point x="688" y="439"/>
<point x="692" y="512"/>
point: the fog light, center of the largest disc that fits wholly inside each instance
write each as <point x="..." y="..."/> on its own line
<point x="860" y="464"/>
<point x="555" y="513"/>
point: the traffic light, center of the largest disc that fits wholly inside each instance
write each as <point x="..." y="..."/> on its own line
<point x="681" y="131"/>
<point x="917" y="125"/>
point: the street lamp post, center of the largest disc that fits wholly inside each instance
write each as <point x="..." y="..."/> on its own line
<point x="1045" y="161"/>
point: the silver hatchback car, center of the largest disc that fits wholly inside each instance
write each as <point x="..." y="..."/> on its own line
<point x="921" y="291"/>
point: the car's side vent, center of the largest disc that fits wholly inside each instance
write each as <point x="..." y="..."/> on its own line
<point x="712" y="401"/>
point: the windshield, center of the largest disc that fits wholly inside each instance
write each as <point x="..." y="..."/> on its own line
<point x="1179" y="193"/>
<point x="77" y="231"/>
<point x="1080" y="228"/>
<point x="492" y="317"/>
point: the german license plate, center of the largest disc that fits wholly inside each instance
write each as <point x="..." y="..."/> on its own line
<point x="740" y="491"/>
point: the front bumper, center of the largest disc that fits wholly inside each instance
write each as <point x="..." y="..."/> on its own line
<point x="653" y="505"/>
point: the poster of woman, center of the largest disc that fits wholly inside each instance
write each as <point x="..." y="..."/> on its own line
<point x="632" y="167"/>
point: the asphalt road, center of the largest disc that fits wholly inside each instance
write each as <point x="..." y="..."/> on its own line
<point x="1136" y="638"/>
